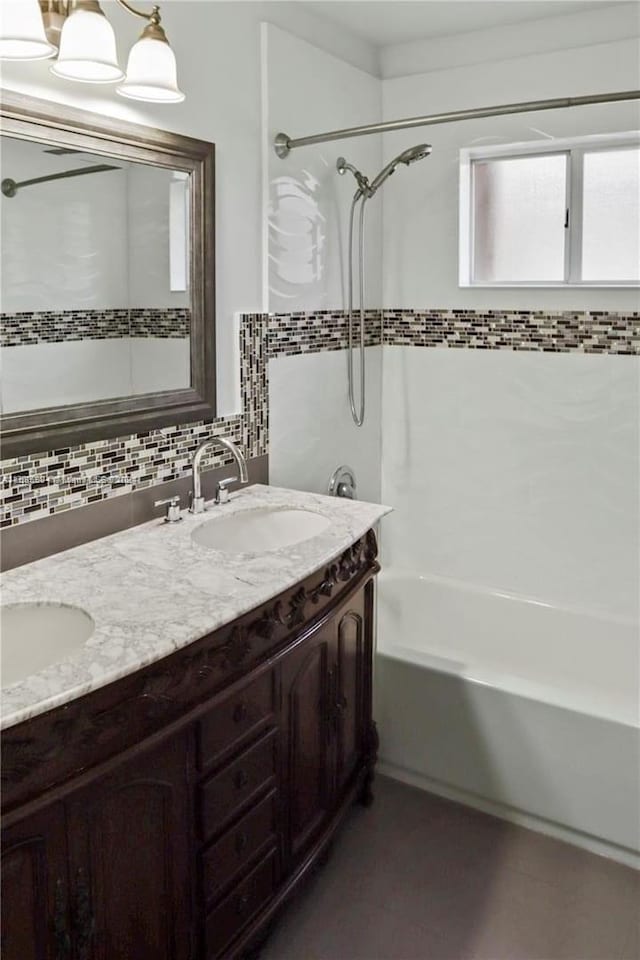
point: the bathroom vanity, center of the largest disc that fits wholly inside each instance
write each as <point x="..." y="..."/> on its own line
<point x="174" y="785"/>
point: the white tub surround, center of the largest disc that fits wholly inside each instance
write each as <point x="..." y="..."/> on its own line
<point x="507" y="704"/>
<point x="152" y="590"/>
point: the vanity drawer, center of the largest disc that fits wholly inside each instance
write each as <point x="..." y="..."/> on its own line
<point x="225" y="792"/>
<point x="236" y="717"/>
<point x="222" y="862"/>
<point x="236" y="910"/>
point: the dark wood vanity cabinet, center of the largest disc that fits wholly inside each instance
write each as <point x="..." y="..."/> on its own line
<point x="102" y="873"/>
<point x="34" y="887"/>
<point x="170" y="815"/>
<point x="326" y="686"/>
<point x="128" y="853"/>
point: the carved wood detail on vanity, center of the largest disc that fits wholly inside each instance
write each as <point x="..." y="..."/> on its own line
<point x="212" y="749"/>
<point x="352" y="562"/>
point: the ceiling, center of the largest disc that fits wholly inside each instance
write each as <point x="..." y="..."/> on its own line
<point x="384" y="22"/>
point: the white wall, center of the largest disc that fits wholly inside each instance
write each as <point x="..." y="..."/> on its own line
<point x="512" y="470"/>
<point x="515" y="471"/>
<point x="609" y="21"/>
<point x="421" y="204"/>
<point x="307" y="200"/>
<point x="311" y="431"/>
<point x="217" y="45"/>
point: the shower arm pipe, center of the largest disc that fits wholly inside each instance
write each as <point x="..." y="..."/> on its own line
<point x="283" y="144"/>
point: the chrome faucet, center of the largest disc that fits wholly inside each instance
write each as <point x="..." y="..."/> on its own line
<point x="222" y="486"/>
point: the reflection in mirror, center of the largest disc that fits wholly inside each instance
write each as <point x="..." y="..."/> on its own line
<point x="95" y="269"/>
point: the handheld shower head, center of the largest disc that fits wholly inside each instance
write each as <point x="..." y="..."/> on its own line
<point x="364" y="192"/>
<point x="419" y="152"/>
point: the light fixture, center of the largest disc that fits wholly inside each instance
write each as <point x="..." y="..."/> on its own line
<point x="22" y="35"/>
<point x="86" y="46"/>
<point x="151" y="72"/>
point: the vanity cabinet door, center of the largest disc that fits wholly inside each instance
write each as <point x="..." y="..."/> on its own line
<point x="305" y="686"/>
<point x="352" y="655"/>
<point x="35" y="905"/>
<point x="130" y="849"/>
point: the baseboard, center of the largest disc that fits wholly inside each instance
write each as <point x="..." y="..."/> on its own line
<point x="602" y="848"/>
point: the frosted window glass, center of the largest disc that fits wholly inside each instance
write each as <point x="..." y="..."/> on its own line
<point x="611" y="215"/>
<point x="519" y="215"/>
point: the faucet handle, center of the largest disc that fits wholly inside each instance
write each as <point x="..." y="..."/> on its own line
<point x="173" y="509"/>
<point x="222" y="489"/>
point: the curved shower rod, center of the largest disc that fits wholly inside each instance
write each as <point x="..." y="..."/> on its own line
<point x="283" y="144"/>
<point x="10" y="187"/>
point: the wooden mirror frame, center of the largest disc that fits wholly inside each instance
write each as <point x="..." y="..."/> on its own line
<point x="50" y="428"/>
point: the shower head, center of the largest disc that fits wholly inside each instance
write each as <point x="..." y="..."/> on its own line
<point x="419" y="152"/>
<point x="367" y="189"/>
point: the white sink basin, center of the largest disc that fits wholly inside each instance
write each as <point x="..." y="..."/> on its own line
<point x="258" y="531"/>
<point x="35" y="635"/>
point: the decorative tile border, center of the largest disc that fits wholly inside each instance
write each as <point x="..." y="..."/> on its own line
<point x="38" y="485"/>
<point x="254" y="383"/>
<point x="164" y="323"/>
<point x="546" y="331"/>
<point x="549" y="332"/>
<point x="295" y="333"/>
<point x="41" y="484"/>
<point x="58" y="326"/>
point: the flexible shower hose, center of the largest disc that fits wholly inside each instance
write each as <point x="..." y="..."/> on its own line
<point x="357" y="412"/>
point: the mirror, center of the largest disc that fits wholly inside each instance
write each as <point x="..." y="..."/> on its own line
<point x="106" y="290"/>
<point x="94" y="286"/>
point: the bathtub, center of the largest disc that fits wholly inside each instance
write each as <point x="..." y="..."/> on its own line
<point x="527" y="710"/>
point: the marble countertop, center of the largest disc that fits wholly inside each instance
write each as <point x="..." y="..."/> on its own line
<point x="151" y="590"/>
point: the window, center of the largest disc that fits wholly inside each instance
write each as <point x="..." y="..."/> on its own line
<point x="552" y="214"/>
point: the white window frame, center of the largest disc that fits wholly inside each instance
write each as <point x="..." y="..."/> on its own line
<point x="574" y="148"/>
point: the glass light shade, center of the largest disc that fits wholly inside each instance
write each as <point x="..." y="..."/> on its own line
<point x="22" y="35"/>
<point x="151" y="73"/>
<point x="88" y="49"/>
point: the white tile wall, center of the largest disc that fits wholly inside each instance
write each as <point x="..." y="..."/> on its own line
<point x="307" y="200"/>
<point x="517" y="471"/>
<point x="311" y="431"/>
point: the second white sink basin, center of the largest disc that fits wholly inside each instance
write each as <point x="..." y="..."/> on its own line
<point x="36" y="635"/>
<point x="259" y="531"/>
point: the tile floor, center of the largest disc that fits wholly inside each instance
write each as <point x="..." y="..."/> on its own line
<point x="419" y="878"/>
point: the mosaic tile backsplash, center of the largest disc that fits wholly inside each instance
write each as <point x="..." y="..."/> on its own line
<point x="558" y="332"/>
<point x="294" y="333"/>
<point x="568" y="331"/>
<point x="38" y="485"/>
<point x="59" y="326"/>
